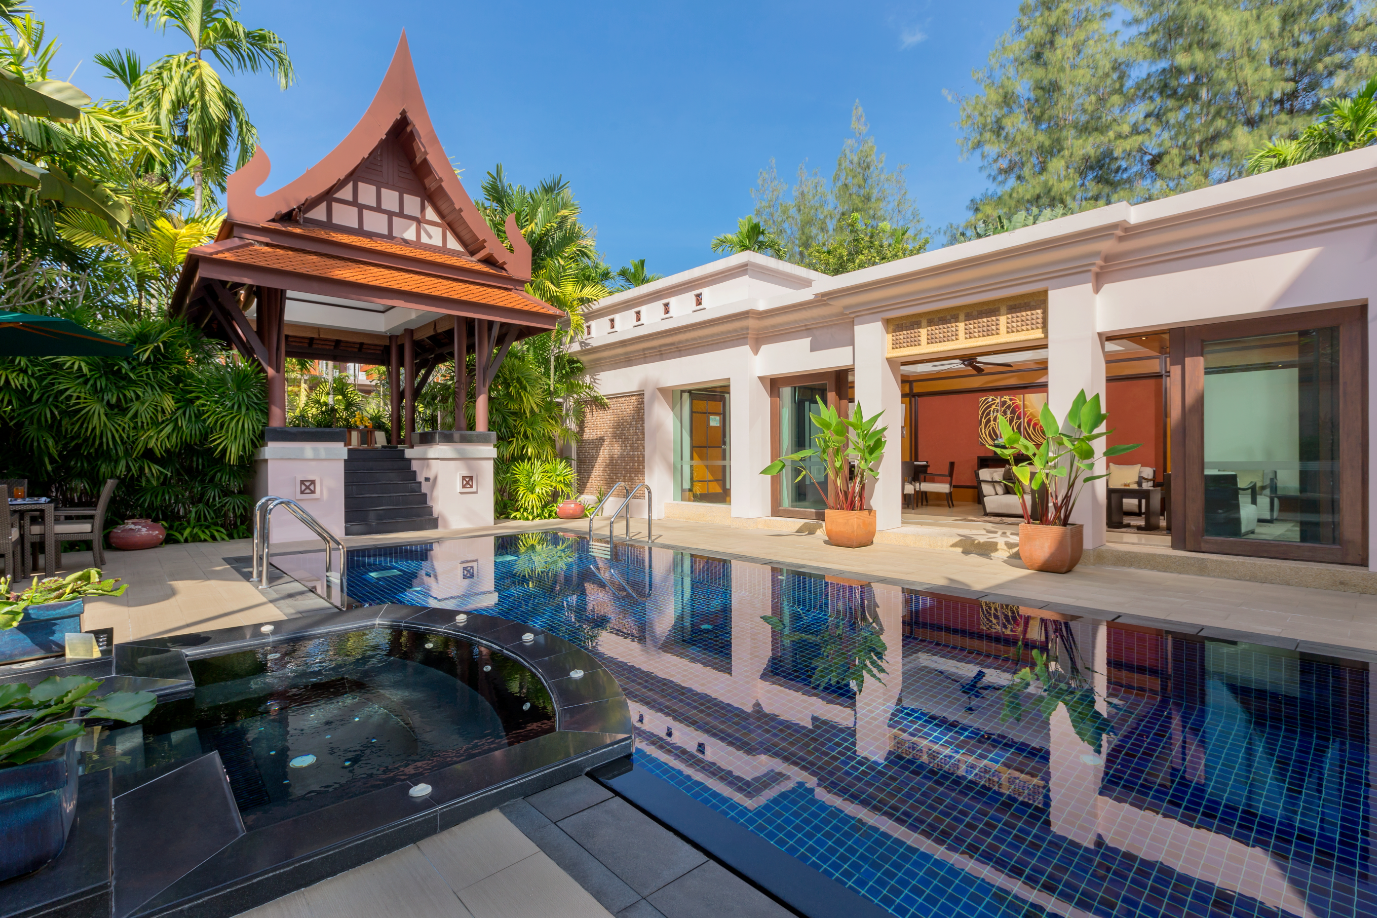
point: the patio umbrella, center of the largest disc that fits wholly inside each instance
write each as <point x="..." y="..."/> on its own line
<point x="25" y="335"/>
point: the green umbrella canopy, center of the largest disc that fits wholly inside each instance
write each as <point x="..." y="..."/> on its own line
<point x="25" y="335"/>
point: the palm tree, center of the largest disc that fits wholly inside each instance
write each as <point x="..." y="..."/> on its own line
<point x="185" y="93"/>
<point x="750" y="236"/>
<point x="152" y="252"/>
<point x="634" y="275"/>
<point x="1345" y="124"/>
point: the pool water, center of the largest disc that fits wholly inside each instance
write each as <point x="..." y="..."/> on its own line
<point x="864" y="729"/>
<point x="301" y="723"/>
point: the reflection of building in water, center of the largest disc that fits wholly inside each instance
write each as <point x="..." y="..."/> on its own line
<point x="1236" y="782"/>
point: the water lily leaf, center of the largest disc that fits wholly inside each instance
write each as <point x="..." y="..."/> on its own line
<point x="32" y="745"/>
<point x="126" y="706"/>
<point x="55" y="687"/>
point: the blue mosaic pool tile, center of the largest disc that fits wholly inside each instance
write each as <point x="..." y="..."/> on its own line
<point x="862" y="729"/>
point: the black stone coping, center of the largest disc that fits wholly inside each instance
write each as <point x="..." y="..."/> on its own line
<point x="455" y="437"/>
<point x="772" y="870"/>
<point x="304" y="434"/>
<point x="593" y="727"/>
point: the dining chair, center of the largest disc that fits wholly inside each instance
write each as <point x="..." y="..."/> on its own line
<point x="11" y="542"/>
<point x="77" y="524"/>
<point x="11" y="484"/>
<point x="910" y="474"/>
<point x="926" y="487"/>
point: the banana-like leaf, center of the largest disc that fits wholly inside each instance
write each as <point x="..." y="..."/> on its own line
<point x="42" y="99"/>
<point x="14" y="171"/>
<point x="83" y="194"/>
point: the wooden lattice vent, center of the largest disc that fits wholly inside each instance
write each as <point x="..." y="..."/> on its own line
<point x="1020" y="318"/>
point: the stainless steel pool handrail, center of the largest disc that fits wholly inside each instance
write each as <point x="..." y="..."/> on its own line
<point x="262" y="539"/>
<point x="593" y="514"/>
<point x="612" y="521"/>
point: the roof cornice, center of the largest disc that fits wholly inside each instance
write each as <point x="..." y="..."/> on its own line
<point x="742" y="263"/>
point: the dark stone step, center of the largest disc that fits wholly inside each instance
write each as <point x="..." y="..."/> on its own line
<point x="371" y="477"/>
<point x="381" y="488"/>
<point x="375" y="465"/>
<point x="356" y="452"/>
<point x="374" y="501"/>
<point x="407" y="525"/>
<point x="379" y="514"/>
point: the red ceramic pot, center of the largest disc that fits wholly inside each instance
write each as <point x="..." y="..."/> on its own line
<point x="134" y="535"/>
<point x="570" y="510"/>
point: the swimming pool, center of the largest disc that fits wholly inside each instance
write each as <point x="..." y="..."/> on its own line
<point x="860" y="728"/>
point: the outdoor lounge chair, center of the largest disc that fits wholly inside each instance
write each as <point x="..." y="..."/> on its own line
<point x="926" y="487"/>
<point x="1230" y="510"/>
<point x="997" y="498"/>
<point x="77" y="524"/>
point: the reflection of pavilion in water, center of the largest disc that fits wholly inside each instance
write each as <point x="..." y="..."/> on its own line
<point x="1236" y="782"/>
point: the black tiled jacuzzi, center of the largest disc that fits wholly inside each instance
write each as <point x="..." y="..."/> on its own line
<point x="276" y="758"/>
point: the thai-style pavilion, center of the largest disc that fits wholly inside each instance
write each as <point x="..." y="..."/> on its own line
<point x="376" y="255"/>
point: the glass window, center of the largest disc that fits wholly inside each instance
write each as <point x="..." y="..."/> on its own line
<point x="702" y="448"/>
<point x="1271" y="437"/>
<point x="798" y="406"/>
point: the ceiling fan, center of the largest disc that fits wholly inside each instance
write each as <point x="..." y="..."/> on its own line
<point x="978" y="365"/>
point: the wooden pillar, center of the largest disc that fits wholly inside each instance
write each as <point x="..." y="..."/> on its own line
<point x="409" y="357"/>
<point x="461" y="372"/>
<point x="482" y="352"/>
<point x="394" y="393"/>
<point x="272" y="329"/>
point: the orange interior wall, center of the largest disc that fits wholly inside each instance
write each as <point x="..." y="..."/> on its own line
<point x="947" y="426"/>
<point x="1135" y="415"/>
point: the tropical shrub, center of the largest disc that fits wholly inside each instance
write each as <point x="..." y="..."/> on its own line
<point x="35" y="720"/>
<point x="850" y="448"/>
<point x="177" y="424"/>
<point x="316" y="408"/>
<point x="54" y="589"/>
<point x="530" y="489"/>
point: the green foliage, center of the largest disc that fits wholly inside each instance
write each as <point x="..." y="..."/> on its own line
<point x="850" y="449"/>
<point x="531" y="489"/>
<point x="153" y="249"/>
<point x="1058" y="688"/>
<point x="1059" y="462"/>
<point x="1006" y="223"/>
<point x="55" y="589"/>
<point x="634" y="275"/>
<point x="815" y="212"/>
<point x="187" y="531"/>
<point x="750" y="236"/>
<point x="1072" y="112"/>
<point x="205" y="119"/>
<point x="316" y="408"/>
<point x="177" y="423"/>
<point x="860" y="245"/>
<point x="36" y="720"/>
<point x="1345" y="124"/>
<point x="850" y="645"/>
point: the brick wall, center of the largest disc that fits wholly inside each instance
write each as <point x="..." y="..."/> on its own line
<point x="612" y="445"/>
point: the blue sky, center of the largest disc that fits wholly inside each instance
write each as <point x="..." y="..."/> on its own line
<point x="661" y="115"/>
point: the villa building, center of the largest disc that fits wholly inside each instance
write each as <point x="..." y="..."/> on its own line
<point x="1225" y="329"/>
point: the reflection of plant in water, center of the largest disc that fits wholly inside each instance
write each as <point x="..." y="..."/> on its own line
<point x="522" y="683"/>
<point x="850" y="645"/>
<point x="541" y="557"/>
<point x="1062" y="680"/>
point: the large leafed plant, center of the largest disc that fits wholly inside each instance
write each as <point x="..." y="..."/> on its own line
<point x="850" y="448"/>
<point x="35" y="720"/>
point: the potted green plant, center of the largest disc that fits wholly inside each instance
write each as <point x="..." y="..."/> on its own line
<point x="34" y="622"/>
<point x="1049" y="477"/>
<point x="850" y="448"/>
<point x="38" y="761"/>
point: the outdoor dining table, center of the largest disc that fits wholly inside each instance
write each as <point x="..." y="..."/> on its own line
<point x="28" y="506"/>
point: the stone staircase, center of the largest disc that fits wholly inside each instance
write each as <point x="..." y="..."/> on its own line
<point x="381" y="494"/>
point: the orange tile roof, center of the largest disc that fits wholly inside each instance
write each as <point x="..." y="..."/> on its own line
<point x="392" y="246"/>
<point x="315" y="264"/>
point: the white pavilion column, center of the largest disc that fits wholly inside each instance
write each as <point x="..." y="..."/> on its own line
<point x="1075" y="770"/>
<point x="876" y="700"/>
<point x="877" y="389"/>
<point x="1075" y="361"/>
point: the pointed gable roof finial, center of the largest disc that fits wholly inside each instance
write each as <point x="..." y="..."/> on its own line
<point x="397" y="107"/>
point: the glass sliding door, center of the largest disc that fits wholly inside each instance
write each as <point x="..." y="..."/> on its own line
<point x="702" y="454"/>
<point x="796" y="410"/>
<point x="1273" y="429"/>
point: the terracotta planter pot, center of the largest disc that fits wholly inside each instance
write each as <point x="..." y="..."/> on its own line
<point x="1051" y="549"/>
<point x="134" y="535"/>
<point x="570" y="510"/>
<point x="850" y="528"/>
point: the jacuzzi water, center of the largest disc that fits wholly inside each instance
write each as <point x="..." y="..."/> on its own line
<point x="858" y="728"/>
<point x="302" y="723"/>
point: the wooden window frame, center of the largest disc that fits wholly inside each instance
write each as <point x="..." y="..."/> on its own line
<point x="836" y="381"/>
<point x="1187" y="380"/>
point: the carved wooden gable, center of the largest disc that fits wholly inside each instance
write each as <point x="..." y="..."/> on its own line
<point x="384" y="197"/>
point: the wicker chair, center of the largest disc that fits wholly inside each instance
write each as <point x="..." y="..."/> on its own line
<point x="11" y="541"/>
<point x="77" y="524"/>
<point x="926" y="487"/>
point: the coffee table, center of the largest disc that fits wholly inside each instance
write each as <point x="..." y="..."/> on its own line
<point x="1153" y="516"/>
